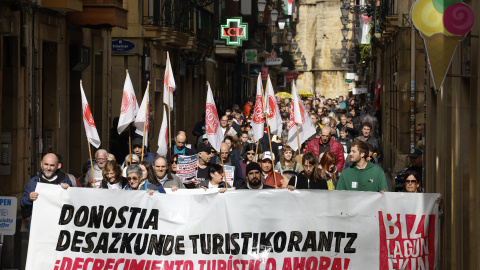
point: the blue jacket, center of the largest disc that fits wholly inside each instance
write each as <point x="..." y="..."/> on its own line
<point x="25" y="201"/>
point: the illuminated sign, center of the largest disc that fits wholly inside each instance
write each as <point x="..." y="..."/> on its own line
<point x="234" y="32"/>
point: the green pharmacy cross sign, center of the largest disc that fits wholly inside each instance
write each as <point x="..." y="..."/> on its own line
<point x="234" y="32"/>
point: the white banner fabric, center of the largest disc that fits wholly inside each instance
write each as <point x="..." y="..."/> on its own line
<point x="82" y="228"/>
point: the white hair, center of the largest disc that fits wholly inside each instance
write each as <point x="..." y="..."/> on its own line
<point x="326" y="121"/>
<point x="101" y="151"/>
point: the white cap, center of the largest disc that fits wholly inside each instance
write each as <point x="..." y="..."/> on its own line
<point x="268" y="155"/>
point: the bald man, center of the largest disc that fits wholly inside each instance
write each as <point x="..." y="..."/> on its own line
<point x="324" y="144"/>
<point x="180" y="146"/>
<point x="230" y="160"/>
<point x="49" y="174"/>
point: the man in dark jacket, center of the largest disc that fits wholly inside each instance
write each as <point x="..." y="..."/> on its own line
<point x="180" y="146"/>
<point x="230" y="160"/>
<point x="324" y="144"/>
<point x="372" y="141"/>
<point x="254" y="176"/>
<point x="49" y="175"/>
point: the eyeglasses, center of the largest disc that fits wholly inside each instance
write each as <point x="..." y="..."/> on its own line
<point x="411" y="181"/>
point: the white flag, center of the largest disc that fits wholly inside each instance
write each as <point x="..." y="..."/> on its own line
<point x="163" y="136"/>
<point x="88" y="123"/>
<point x="212" y="124"/>
<point x="258" y="121"/>
<point x="168" y="84"/>
<point x="306" y="128"/>
<point x="142" y="115"/>
<point x="271" y="107"/>
<point x="129" y="108"/>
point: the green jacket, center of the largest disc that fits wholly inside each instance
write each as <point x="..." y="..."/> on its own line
<point x="372" y="178"/>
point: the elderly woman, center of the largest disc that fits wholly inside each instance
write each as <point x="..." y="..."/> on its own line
<point x="135" y="182"/>
<point x="112" y="176"/>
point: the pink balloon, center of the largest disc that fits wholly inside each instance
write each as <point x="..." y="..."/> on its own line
<point x="458" y="19"/>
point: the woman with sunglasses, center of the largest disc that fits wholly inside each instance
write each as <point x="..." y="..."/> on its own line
<point x="135" y="182"/>
<point x="172" y="167"/>
<point x="248" y="156"/>
<point x="411" y="182"/>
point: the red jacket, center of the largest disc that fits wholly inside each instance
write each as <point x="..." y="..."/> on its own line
<point x="270" y="181"/>
<point x="335" y="147"/>
<point x="246" y="109"/>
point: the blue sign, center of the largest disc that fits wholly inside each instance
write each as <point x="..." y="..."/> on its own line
<point x="122" y="46"/>
<point x="8" y="215"/>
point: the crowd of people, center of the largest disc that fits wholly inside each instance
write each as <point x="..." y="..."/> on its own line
<point x="344" y="154"/>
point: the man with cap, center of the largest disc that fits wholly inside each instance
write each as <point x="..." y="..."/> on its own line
<point x="230" y="160"/>
<point x="268" y="177"/>
<point x="204" y="152"/>
<point x="254" y="177"/>
<point x="137" y="144"/>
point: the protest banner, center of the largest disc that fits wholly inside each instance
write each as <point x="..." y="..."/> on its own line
<point x="238" y="229"/>
<point x="187" y="168"/>
<point x="229" y="175"/>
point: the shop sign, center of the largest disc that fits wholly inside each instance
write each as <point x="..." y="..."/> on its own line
<point x="234" y="32"/>
<point x="122" y="46"/>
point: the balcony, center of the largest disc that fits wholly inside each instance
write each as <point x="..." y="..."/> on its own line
<point x="179" y="24"/>
<point x="101" y="13"/>
<point x="63" y="5"/>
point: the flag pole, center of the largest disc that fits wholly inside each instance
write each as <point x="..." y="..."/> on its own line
<point x="269" y="139"/>
<point x="169" y="129"/>
<point x="145" y="122"/>
<point x="223" y="169"/>
<point x="256" y="150"/>
<point x="298" y="140"/>
<point x="91" y="164"/>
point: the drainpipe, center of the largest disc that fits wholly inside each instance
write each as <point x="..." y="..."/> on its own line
<point x="412" y="87"/>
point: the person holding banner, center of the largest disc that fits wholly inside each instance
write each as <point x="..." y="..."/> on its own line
<point x="287" y="161"/>
<point x="214" y="178"/>
<point x="362" y="175"/>
<point x="268" y="177"/>
<point x="310" y="177"/>
<point x="148" y="173"/>
<point x="49" y="175"/>
<point x="135" y="182"/>
<point x="167" y="180"/>
<point x="112" y="176"/>
<point x="254" y="176"/>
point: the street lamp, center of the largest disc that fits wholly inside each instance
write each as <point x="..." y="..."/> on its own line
<point x="305" y="67"/>
<point x="346" y="2"/>
<point x="281" y="24"/>
<point x="289" y="36"/>
<point x="299" y="53"/>
<point x="274" y="15"/>
<point x="304" y="60"/>
<point x="344" y="10"/>
<point x="344" y="42"/>
<point x="344" y="50"/>
<point x="344" y="60"/>
<point x="345" y="31"/>
<point x="294" y="45"/>
<point x="261" y="5"/>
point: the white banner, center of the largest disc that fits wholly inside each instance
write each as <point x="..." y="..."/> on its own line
<point x="238" y="229"/>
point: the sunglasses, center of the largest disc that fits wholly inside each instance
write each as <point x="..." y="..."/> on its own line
<point x="174" y="162"/>
<point x="411" y="181"/>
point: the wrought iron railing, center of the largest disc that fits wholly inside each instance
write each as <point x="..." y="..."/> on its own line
<point x="181" y="16"/>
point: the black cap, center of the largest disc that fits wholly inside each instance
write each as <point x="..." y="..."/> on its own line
<point x="137" y="141"/>
<point x="415" y="152"/>
<point x="253" y="166"/>
<point x="201" y="147"/>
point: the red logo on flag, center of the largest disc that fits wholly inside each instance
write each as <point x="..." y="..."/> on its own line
<point x="271" y="107"/>
<point x="134" y="102"/>
<point x="87" y="115"/>
<point x="125" y="103"/>
<point x="211" y="119"/>
<point x="258" y="116"/>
